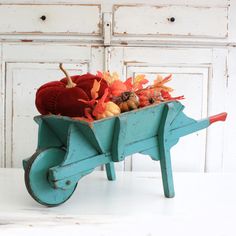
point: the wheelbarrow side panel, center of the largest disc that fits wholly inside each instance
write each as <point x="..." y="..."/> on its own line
<point x="151" y="130"/>
<point x="56" y="126"/>
<point x="46" y="135"/>
<point x="130" y="133"/>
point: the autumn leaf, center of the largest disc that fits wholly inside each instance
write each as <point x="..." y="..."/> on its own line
<point x="139" y="81"/>
<point x="100" y="106"/>
<point x="95" y="89"/>
<point x="167" y="97"/>
<point x="110" y="78"/>
<point x="100" y="74"/>
<point x="87" y="116"/>
<point x="128" y="83"/>
<point x="160" y="81"/>
<point x="90" y="103"/>
<point x="117" y="88"/>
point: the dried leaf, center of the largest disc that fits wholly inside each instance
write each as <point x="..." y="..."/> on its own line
<point x="128" y="84"/>
<point x="100" y="106"/>
<point x="117" y="88"/>
<point x="167" y="97"/>
<point x="90" y="103"/>
<point x="139" y="81"/>
<point x="110" y="78"/>
<point x="95" y="89"/>
<point x="160" y="81"/>
<point x="88" y="117"/>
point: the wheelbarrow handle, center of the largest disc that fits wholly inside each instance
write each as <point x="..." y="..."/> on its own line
<point x="219" y="117"/>
<point x="197" y="125"/>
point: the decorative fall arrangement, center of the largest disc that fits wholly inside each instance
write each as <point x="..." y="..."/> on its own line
<point x="69" y="148"/>
<point x="91" y="97"/>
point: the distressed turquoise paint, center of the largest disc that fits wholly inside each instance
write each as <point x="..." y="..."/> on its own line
<point x="119" y="138"/>
<point x="69" y="149"/>
<point x="36" y="176"/>
<point x="110" y="170"/>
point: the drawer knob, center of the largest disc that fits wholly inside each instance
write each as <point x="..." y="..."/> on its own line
<point x="43" y="17"/>
<point x="171" y="19"/>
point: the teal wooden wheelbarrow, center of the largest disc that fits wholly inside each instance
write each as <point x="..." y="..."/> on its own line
<point x="70" y="149"/>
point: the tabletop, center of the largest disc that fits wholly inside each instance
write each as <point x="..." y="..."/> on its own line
<point x="134" y="204"/>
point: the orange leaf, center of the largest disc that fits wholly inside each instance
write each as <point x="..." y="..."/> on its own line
<point x="139" y="81"/>
<point x="90" y="103"/>
<point x="168" y="97"/>
<point x="88" y="117"/>
<point x="95" y="89"/>
<point x="100" y="106"/>
<point x="117" y="88"/>
<point x="110" y="78"/>
<point x="128" y="84"/>
<point x="160" y="81"/>
<point x="99" y="74"/>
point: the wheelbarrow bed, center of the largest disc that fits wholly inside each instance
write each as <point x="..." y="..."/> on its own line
<point x="82" y="146"/>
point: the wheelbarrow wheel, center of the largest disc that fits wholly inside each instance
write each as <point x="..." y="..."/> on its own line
<point x="36" y="177"/>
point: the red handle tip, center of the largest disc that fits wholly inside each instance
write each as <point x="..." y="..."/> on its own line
<point x="218" y="117"/>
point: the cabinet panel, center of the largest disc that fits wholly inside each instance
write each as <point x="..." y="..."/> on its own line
<point x="189" y="21"/>
<point x="193" y="76"/>
<point x="50" y="19"/>
<point x="229" y="155"/>
<point x="1" y="112"/>
<point x="193" y="83"/>
<point x="22" y="81"/>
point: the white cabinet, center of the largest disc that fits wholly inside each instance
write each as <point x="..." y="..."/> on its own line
<point x="22" y="80"/>
<point x="191" y="39"/>
<point x="193" y="76"/>
<point x="2" y="112"/>
<point x="158" y="20"/>
<point x="229" y="154"/>
<point x="70" y="19"/>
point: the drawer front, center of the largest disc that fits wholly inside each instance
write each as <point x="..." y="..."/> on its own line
<point x="50" y="19"/>
<point x="185" y="21"/>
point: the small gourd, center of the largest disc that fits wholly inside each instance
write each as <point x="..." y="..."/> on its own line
<point x="149" y="97"/>
<point x="111" y="109"/>
<point x="128" y="101"/>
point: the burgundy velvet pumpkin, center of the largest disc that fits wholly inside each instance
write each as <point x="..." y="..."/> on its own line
<point x="61" y="97"/>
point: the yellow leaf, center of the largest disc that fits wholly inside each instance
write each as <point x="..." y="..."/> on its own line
<point x="158" y="79"/>
<point x="110" y="78"/>
<point x="139" y="78"/>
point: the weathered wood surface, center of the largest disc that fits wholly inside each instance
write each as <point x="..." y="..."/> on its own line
<point x="50" y="19"/>
<point x="69" y="149"/>
<point x="200" y="48"/>
<point x="134" y="203"/>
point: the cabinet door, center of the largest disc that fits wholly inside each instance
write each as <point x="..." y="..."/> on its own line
<point x="22" y="81"/>
<point x="194" y="77"/>
<point x="2" y="135"/>
<point x="229" y="160"/>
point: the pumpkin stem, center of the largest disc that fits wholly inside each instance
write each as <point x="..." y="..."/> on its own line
<point x="70" y="83"/>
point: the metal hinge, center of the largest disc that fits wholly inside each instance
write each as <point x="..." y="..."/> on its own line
<point x="107" y="26"/>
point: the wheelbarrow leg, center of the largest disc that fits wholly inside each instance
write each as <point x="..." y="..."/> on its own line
<point x="110" y="169"/>
<point x="166" y="171"/>
<point x="164" y="150"/>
